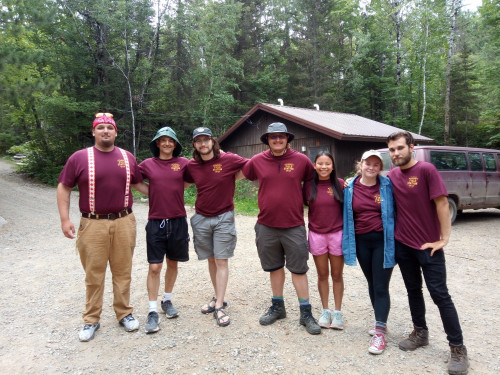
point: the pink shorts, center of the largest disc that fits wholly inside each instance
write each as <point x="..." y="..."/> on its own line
<point x="322" y="243"/>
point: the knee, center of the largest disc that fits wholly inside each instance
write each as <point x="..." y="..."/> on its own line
<point x="337" y="277"/>
<point x="172" y="265"/>
<point x="155" y="268"/>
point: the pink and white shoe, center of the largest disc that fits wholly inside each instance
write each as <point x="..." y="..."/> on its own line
<point x="377" y="344"/>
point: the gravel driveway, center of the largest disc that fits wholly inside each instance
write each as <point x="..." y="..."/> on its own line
<point x="42" y="297"/>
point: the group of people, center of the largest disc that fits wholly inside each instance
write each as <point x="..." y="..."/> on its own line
<point x="380" y="221"/>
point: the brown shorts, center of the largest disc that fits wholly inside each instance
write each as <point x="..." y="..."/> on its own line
<point x="280" y="247"/>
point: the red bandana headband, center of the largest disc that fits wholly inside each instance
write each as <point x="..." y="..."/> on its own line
<point x="104" y="118"/>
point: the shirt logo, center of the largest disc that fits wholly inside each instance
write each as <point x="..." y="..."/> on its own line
<point x="175" y="167"/>
<point x="412" y="182"/>
<point x="329" y="191"/>
<point x="288" y="167"/>
<point x="121" y="163"/>
<point x="217" y="168"/>
<point x="377" y="198"/>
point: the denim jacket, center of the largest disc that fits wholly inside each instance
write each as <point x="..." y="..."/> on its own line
<point x="387" y="205"/>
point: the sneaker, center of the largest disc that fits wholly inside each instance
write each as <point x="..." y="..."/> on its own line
<point x="377" y="344"/>
<point x="325" y="319"/>
<point x="152" y="322"/>
<point x="88" y="331"/>
<point x="371" y="330"/>
<point x="130" y="323"/>
<point x="169" y="309"/>
<point x="459" y="362"/>
<point x="337" y="321"/>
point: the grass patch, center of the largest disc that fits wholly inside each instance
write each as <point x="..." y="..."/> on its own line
<point x="245" y="197"/>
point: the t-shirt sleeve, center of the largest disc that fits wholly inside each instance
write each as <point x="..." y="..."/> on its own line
<point x="134" y="169"/>
<point x="436" y="184"/>
<point x="249" y="170"/>
<point x="68" y="174"/>
<point x="187" y="176"/>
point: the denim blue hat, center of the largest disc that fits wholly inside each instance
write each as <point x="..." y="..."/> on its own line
<point x="276" y="127"/>
<point x="201" y="131"/>
<point x="169" y="132"/>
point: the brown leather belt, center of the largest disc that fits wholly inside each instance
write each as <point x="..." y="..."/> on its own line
<point x="111" y="216"/>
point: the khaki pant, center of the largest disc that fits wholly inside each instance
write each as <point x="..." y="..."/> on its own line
<point x="100" y="242"/>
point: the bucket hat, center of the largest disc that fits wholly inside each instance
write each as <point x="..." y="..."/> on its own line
<point x="169" y="132"/>
<point x="276" y="127"/>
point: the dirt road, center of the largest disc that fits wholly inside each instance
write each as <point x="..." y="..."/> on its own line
<point x="42" y="298"/>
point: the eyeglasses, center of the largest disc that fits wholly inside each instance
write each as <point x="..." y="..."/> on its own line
<point x="103" y="114"/>
<point x="275" y="136"/>
<point x="201" y="141"/>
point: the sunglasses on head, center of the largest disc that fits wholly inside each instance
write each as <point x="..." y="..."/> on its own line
<point x="103" y="114"/>
<point x="275" y="136"/>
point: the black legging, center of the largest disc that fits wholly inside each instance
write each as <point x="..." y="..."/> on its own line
<point x="370" y="253"/>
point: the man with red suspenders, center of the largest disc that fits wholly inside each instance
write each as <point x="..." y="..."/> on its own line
<point x="104" y="174"/>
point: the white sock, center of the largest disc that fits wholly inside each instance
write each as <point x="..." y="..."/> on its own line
<point x="153" y="305"/>
<point x="167" y="297"/>
<point x="337" y="311"/>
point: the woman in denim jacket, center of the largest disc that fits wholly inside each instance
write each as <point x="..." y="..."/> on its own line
<point x="368" y="234"/>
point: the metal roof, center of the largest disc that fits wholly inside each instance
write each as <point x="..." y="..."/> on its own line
<point x="342" y="126"/>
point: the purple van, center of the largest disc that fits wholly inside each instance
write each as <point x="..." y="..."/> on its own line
<point x="471" y="175"/>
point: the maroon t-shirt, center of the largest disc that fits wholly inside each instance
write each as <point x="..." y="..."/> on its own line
<point x="110" y="179"/>
<point x="325" y="212"/>
<point x="166" y="186"/>
<point x="214" y="180"/>
<point x="416" y="216"/>
<point x="366" y="208"/>
<point x="280" y="186"/>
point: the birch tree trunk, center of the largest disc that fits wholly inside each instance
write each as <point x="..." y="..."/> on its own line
<point x="454" y="8"/>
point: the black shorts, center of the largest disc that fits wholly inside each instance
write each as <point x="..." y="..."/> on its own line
<point x="167" y="238"/>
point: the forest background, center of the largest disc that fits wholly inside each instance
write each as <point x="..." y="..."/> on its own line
<point x="428" y="66"/>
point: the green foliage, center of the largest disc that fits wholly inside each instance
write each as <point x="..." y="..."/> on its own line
<point x="207" y="62"/>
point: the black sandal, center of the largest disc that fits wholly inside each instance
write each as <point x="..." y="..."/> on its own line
<point x="211" y="309"/>
<point x="219" y="318"/>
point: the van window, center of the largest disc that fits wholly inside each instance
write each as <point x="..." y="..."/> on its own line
<point x="489" y="162"/>
<point x="475" y="161"/>
<point x="386" y="158"/>
<point x="449" y="161"/>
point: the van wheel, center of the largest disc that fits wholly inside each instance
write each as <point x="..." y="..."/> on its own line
<point x="453" y="209"/>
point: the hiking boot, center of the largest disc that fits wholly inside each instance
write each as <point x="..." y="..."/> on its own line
<point x="130" y="323"/>
<point x="307" y="320"/>
<point x="325" y="319"/>
<point x="377" y="344"/>
<point x="88" y="331"/>
<point x="152" y="322"/>
<point x="169" y="309"/>
<point x="459" y="362"/>
<point x="337" y="321"/>
<point x="275" y="312"/>
<point x="418" y="338"/>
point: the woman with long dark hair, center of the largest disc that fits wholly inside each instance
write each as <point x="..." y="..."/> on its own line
<point x="324" y="196"/>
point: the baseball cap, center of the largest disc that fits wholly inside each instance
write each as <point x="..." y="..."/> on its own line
<point x="201" y="131"/>
<point x="369" y="153"/>
<point x="169" y="132"/>
<point x="276" y="127"/>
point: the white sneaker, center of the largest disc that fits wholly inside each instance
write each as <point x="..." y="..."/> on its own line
<point x="337" y="321"/>
<point x="325" y="319"/>
<point x="130" y="323"/>
<point x="88" y="331"/>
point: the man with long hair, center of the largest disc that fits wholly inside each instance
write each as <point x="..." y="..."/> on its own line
<point x="214" y="233"/>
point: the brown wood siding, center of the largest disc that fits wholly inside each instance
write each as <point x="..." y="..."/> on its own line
<point x="245" y="141"/>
